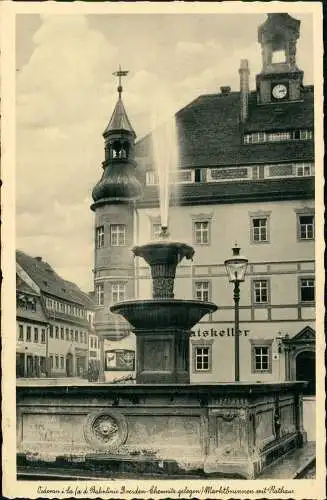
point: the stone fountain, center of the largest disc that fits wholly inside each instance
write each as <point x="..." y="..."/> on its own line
<point x="163" y="324"/>
<point x="163" y="425"/>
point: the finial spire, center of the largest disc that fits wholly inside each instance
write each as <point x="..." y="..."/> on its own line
<point x="120" y="72"/>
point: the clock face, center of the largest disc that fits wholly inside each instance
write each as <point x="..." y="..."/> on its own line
<point x="279" y="91"/>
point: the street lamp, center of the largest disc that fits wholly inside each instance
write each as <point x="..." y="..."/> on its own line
<point x="236" y="268"/>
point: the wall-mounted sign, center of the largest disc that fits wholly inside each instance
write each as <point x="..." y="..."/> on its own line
<point x="120" y="359"/>
<point x="220" y="332"/>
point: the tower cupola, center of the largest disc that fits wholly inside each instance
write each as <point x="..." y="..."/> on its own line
<point x="118" y="182"/>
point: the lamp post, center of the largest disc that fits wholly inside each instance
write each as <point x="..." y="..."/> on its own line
<point x="236" y="268"/>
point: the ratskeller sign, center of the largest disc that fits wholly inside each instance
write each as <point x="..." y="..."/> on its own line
<point x="228" y="332"/>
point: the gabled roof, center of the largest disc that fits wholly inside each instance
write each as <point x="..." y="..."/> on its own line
<point x="306" y="334"/>
<point x="210" y="132"/>
<point x="50" y="282"/>
<point x="119" y="120"/>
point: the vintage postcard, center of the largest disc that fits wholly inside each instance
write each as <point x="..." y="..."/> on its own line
<point x="162" y="250"/>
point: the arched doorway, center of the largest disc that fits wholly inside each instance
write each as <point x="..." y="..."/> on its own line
<point x="305" y="367"/>
<point x="69" y="365"/>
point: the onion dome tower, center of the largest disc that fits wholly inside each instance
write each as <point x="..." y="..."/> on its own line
<point x="113" y="203"/>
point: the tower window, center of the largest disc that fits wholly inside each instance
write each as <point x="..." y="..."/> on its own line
<point x="99" y="236"/>
<point x="151" y="178"/>
<point x="99" y="292"/>
<point x="278" y="56"/>
<point x="117" y="235"/>
<point x="118" y="292"/>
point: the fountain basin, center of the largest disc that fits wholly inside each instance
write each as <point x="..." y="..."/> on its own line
<point x="226" y="430"/>
<point x="163" y="256"/>
<point x="163" y="313"/>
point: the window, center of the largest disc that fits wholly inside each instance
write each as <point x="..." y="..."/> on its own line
<point x="20" y="332"/>
<point x="62" y="336"/>
<point x="36" y="334"/>
<point x="99" y="292"/>
<point x="67" y="333"/>
<point x="57" y="332"/>
<point x="184" y="176"/>
<point x="51" y="361"/>
<point x="202" y="290"/>
<point x="76" y="336"/>
<point x="223" y="174"/>
<point x="201" y="232"/>
<point x="117" y="235"/>
<point x="306" y="134"/>
<point x="155" y="231"/>
<point x="202" y="358"/>
<point x="99" y="236"/>
<point x="57" y="361"/>
<point x="43" y="338"/>
<point x="304" y="169"/>
<point x="202" y="355"/>
<point x="28" y="334"/>
<point x="91" y="342"/>
<point x="259" y="229"/>
<point x="278" y="56"/>
<point x="260" y="291"/>
<point x="62" y="362"/>
<point x="151" y="178"/>
<point x="71" y="335"/>
<point x="117" y="292"/>
<point x="307" y="289"/>
<point x="261" y="356"/>
<point x="306" y="227"/>
<point x="51" y="331"/>
<point x="81" y="337"/>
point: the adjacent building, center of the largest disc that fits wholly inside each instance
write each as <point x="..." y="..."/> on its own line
<point x="245" y="173"/>
<point x="52" y="322"/>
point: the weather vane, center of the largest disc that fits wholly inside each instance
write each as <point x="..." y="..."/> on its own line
<point x="120" y="72"/>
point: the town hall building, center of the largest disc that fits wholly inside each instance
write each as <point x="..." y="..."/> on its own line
<point x="245" y="174"/>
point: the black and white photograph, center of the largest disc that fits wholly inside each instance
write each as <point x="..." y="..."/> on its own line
<point x="162" y="255"/>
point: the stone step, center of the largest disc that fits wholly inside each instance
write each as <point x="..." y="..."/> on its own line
<point x="293" y="465"/>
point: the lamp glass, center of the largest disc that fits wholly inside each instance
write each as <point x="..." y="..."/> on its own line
<point x="236" y="268"/>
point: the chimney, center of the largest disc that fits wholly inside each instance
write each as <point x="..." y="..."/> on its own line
<point x="244" y="89"/>
<point x="225" y="90"/>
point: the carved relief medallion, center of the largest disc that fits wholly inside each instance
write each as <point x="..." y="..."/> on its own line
<point x="105" y="430"/>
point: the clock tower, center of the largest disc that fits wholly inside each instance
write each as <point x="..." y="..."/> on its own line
<point x="280" y="79"/>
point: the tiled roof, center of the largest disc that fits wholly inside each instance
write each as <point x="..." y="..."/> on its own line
<point x="210" y="133"/>
<point x="50" y="282"/>
<point x="231" y="192"/>
<point x="23" y="287"/>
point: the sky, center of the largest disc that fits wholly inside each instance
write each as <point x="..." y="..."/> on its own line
<point x="65" y="94"/>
